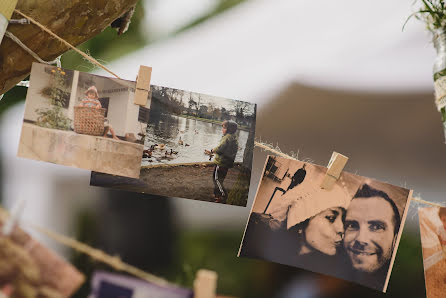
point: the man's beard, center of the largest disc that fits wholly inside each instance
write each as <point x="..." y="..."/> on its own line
<point x="367" y="259"/>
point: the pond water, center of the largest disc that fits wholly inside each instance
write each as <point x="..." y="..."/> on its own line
<point x="196" y="136"/>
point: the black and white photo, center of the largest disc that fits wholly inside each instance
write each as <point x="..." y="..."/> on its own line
<point x="351" y="231"/>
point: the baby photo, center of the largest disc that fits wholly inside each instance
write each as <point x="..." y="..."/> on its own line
<point x="433" y="242"/>
<point x="351" y="231"/>
<point x="197" y="146"/>
<point x="28" y="269"/>
<point x="83" y="120"/>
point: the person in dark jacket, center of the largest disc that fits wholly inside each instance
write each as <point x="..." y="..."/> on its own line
<point x="298" y="177"/>
<point x="225" y="154"/>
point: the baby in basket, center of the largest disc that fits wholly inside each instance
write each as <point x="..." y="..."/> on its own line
<point x="92" y="101"/>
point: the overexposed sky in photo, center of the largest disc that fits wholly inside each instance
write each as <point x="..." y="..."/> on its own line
<point x="218" y="102"/>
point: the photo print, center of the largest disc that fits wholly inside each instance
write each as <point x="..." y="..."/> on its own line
<point x="112" y="285"/>
<point x="28" y="269"/>
<point x="351" y="231"/>
<point x="197" y="146"/>
<point x="83" y="120"/>
<point x="433" y="242"/>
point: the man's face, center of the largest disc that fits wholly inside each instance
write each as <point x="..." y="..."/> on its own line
<point x="369" y="233"/>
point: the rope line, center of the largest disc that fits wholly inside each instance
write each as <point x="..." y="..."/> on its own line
<point x="89" y="58"/>
<point x="28" y="50"/>
<point x="99" y="255"/>
<point x="420" y="200"/>
<point x="276" y="150"/>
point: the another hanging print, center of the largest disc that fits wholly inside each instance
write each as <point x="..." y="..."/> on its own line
<point x="196" y="146"/>
<point x="82" y="120"/>
<point x="351" y="231"/>
<point x="433" y="242"/>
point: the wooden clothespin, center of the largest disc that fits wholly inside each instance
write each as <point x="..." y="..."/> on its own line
<point x="335" y="166"/>
<point x="205" y="284"/>
<point x="142" y="92"/>
<point x="14" y="218"/>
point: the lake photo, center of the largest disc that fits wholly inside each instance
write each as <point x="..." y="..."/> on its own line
<point x="196" y="146"/>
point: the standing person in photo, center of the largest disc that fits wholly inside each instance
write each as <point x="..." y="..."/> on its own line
<point x="225" y="154"/>
<point x="298" y="177"/>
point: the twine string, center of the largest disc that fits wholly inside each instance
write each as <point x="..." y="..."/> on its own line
<point x="420" y="200"/>
<point x="28" y="50"/>
<point x="96" y="254"/>
<point x="89" y="58"/>
<point x="276" y="150"/>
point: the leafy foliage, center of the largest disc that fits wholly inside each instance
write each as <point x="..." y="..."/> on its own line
<point x="54" y="117"/>
<point x="433" y="13"/>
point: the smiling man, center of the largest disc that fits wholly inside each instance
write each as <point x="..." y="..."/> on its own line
<point x="372" y="223"/>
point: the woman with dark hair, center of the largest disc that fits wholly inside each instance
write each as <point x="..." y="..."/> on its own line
<point x="306" y="230"/>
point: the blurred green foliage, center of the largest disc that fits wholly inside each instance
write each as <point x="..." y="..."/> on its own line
<point x="244" y="277"/>
<point x="222" y="6"/>
<point x="217" y="251"/>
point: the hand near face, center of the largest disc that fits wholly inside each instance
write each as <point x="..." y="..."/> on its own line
<point x="369" y="233"/>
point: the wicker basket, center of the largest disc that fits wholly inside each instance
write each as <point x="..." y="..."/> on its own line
<point x="89" y="121"/>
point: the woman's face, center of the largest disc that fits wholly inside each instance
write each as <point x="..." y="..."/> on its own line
<point x="325" y="231"/>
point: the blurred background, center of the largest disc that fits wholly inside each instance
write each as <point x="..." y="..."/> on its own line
<point x="327" y="76"/>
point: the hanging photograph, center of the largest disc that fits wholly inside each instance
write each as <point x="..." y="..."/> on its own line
<point x="83" y="120"/>
<point x="351" y="231"/>
<point x="433" y="241"/>
<point x="112" y="285"/>
<point x="28" y="269"/>
<point x="196" y="146"/>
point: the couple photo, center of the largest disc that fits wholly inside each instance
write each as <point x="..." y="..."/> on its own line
<point x="350" y="232"/>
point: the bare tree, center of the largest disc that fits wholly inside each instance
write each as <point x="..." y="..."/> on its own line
<point x="240" y="107"/>
<point x="211" y="109"/>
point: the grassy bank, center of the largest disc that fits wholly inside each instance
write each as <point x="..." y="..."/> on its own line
<point x="191" y="181"/>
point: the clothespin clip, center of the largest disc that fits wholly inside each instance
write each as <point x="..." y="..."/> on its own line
<point x="16" y="214"/>
<point x="205" y="284"/>
<point x="142" y="92"/>
<point x="335" y="166"/>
